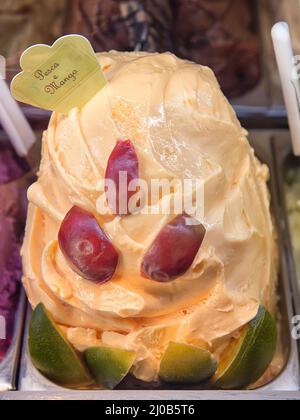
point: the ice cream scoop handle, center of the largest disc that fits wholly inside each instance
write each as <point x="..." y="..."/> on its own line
<point x="289" y="79"/>
<point x="14" y="122"/>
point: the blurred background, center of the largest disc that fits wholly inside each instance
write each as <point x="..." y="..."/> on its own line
<point x="230" y="36"/>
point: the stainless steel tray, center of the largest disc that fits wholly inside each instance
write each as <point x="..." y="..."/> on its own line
<point x="286" y="386"/>
<point x="9" y="366"/>
<point x="282" y="151"/>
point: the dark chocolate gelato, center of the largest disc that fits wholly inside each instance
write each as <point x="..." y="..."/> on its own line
<point x="220" y="34"/>
<point x="99" y="21"/>
<point x="122" y="25"/>
<point x="158" y="22"/>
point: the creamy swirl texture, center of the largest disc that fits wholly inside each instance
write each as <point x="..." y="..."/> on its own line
<point x="182" y="127"/>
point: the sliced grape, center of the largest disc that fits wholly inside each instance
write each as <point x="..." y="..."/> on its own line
<point x="174" y="250"/>
<point x="122" y="168"/>
<point x="86" y="246"/>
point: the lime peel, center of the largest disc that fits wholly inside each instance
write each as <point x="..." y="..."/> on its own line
<point x="109" y="366"/>
<point x="251" y="355"/>
<point x="186" y="364"/>
<point x="52" y="354"/>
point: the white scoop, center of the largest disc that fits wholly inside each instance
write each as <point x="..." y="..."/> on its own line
<point x="14" y="122"/>
<point x="289" y="79"/>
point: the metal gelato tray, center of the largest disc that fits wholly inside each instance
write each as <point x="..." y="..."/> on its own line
<point x="10" y="364"/>
<point x="32" y="385"/>
<point x="283" y="155"/>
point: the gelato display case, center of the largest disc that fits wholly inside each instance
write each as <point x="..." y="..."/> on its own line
<point x="17" y="369"/>
<point x="107" y="304"/>
<point x="284" y="375"/>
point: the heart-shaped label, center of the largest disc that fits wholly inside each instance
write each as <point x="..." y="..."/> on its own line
<point x="59" y="78"/>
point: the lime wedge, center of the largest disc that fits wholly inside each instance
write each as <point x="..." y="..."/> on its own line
<point x="186" y="364"/>
<point x="248" y="358"/>
<point x="109" y="366"/>
<point x="51" y="353"/>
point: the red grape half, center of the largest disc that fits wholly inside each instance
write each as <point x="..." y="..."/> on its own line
<point x="86" y="247"/>
<point x="123" y="161"/>
<point x="174" y="250"/>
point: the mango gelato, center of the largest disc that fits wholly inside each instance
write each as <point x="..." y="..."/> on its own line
<point x="181" y="127"/>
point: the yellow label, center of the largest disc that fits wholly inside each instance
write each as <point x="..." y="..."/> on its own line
<point x="59" y="78"/>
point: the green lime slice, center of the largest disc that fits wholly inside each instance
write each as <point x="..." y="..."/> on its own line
<point x="249" y="357"/>
<point x="52" y="354"/>
<point x="109" y="366"/>
<point x="186" y="364"/>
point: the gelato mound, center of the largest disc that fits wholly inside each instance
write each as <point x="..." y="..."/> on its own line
<point x="181" y="127"/>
